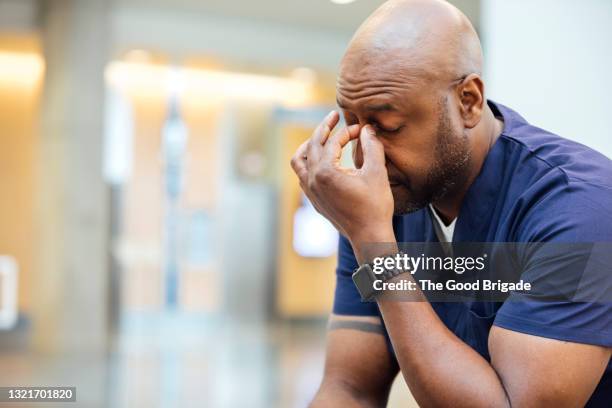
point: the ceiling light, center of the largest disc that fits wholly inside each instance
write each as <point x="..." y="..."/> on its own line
<point x="20" y="69"/>
<point x="216" y="84"/>
<point x="342" y="1"/>
<point x="138" y="56"/>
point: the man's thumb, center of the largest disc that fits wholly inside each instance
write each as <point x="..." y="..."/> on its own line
<point x="373" y="150"/>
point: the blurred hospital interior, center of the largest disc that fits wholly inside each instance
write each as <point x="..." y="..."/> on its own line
<point x="155" y="247"/>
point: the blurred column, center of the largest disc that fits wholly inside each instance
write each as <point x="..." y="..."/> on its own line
<point x="70" y="306"/>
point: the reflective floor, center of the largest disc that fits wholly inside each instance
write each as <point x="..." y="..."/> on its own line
<point x="175" y="360"/>
<point x="189" y="362"/>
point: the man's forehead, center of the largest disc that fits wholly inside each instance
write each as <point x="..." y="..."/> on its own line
<point x="376" y="94"/>
<point x="387" y="88"/>
<point x="369" y="64"/>
<point x="370" y="105"/>
<point x="384" y="76"/>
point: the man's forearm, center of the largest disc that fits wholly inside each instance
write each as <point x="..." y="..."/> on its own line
<point x="439" y="368"/>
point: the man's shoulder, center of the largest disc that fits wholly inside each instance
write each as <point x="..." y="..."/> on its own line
<point x="551" y="153"/>
<point x="557" y="185"/>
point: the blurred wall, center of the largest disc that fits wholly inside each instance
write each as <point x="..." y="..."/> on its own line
<point x="241" y="41"/>
<point x="551" y="61"/>
<point x="19" y="98"/>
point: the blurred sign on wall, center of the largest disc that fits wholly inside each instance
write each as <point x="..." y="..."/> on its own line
<point x="8" y="292"/>
<point x="313" y="235"/>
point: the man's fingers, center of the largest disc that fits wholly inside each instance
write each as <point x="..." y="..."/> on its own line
<point x="372" y="149"/>
<point x="299" y="162"/>
<point x="324" y="129"/>
<point x="335" y="144"/>
<point x="320" y="135"/>
<point x="302" y="150"/>
<point x="357" y="154"/>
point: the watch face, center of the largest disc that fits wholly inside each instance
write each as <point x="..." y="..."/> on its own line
<point x="364" y="279"/>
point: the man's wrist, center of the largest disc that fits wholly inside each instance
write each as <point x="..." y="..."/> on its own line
<point x="369" y="244"/>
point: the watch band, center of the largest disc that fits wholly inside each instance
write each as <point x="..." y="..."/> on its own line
<point x="364" y="279"/>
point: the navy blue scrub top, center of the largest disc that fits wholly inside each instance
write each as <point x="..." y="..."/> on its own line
<point x="534" y="186"/>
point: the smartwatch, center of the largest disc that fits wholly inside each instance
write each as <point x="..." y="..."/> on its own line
<point x="364" y="278"/>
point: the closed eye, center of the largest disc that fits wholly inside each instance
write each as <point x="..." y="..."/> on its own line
<point x="382" y="129"/>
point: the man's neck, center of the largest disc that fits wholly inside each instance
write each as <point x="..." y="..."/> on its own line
<point x="484" y="136"/>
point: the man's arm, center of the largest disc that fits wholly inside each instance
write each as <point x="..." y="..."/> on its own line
<point x="546" y="372"/>
<point x="525" y="370"/>
<point x="359" y="370"/>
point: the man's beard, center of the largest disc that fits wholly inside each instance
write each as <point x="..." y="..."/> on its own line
<point x="448" y="172"/>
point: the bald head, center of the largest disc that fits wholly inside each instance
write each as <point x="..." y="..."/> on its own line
<point x="421" y="38"/>
<point x="412" y="71"/>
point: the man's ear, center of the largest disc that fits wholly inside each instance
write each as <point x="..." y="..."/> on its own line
<point x="471" y="98"/>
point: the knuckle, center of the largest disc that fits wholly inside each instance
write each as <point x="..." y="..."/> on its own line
<point x="311" y="184"/>
<point x="323" y="177"/>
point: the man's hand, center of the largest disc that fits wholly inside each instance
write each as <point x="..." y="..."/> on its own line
<point x="358" y="202"/>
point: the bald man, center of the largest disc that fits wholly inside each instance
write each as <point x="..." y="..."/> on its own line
<point x="436" y="161"/>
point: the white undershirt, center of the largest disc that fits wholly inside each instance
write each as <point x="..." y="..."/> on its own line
<point x="443" y="231"/>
